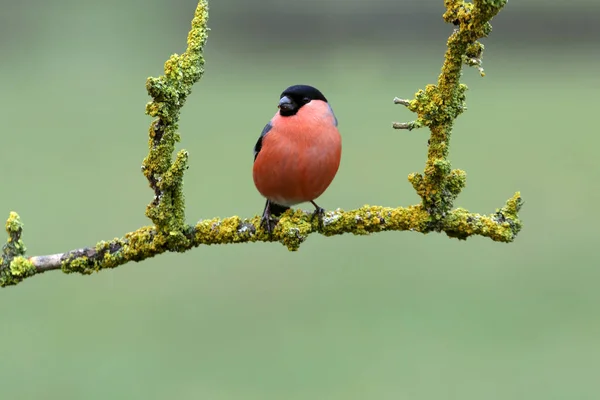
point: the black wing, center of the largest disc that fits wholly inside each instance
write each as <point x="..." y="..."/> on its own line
<point x="258" y="144"/>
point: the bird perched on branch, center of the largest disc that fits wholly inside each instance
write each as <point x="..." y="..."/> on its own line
<point x="297" y="154"/>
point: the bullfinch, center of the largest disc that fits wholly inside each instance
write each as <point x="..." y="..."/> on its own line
<point x="297" y="154"/>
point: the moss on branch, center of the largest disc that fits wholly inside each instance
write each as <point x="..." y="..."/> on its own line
<point x="169" y="93"/>
<point x="437" y="106"/>
<point x="293" y="229"/>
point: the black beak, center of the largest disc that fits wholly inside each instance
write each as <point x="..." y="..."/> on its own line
<point x="286" y="104"/>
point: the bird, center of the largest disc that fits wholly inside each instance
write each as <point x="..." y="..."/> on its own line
<point x="297" y="154"/>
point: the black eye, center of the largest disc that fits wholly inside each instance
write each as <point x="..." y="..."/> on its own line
<point x="306" y="100"/>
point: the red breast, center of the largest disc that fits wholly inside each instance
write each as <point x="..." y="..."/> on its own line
<point x="300" y="155"/>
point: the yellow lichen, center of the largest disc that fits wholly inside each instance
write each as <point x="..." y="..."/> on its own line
<point x="21" y="267"/>
<point x="437" y="106"/>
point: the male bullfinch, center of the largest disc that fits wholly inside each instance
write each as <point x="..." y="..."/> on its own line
<point x="298" y="152"/>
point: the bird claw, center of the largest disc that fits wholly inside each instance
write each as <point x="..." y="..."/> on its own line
<point x="319" y="213"/>
<point x="269" y="223"/>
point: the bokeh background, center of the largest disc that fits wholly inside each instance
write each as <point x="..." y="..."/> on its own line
<point x="390" y="316"/>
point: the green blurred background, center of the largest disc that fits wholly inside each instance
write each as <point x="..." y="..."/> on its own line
<point x="390" y="316"/>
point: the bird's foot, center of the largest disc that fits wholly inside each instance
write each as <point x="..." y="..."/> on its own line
<point x="268" y="221"/>
<point x="319" y="213"/>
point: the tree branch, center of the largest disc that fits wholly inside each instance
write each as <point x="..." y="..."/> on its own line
<point x="292" y="230"/>
<point x="169" y="93"/>
<point x="436" y="107"/>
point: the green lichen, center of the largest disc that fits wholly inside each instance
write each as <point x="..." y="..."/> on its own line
<point x="21" y="267"/>
<point x="169" y="93"/>
<point x="14" y="227"/>
<point x="13" y="224"/>
<point x="217" y="231"/>
<point x="82" y="265"/>
<point x="502" y="226"/>
<point x="513" y="206"/>
<point x="13" y="265"/>
<point x="139" y="245"/>
<point x="437" y="106"/>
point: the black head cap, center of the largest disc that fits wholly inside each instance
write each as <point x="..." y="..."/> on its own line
<point x="294" y="97"/>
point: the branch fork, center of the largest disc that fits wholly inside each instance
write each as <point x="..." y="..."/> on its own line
<point x="437" y="106"/>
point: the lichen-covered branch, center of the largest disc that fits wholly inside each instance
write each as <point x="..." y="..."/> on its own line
<point x="439" y="105"/>
<point x="436" y="107"/>
<point x="291" y="231"/>
<point x="169" y="92"/>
